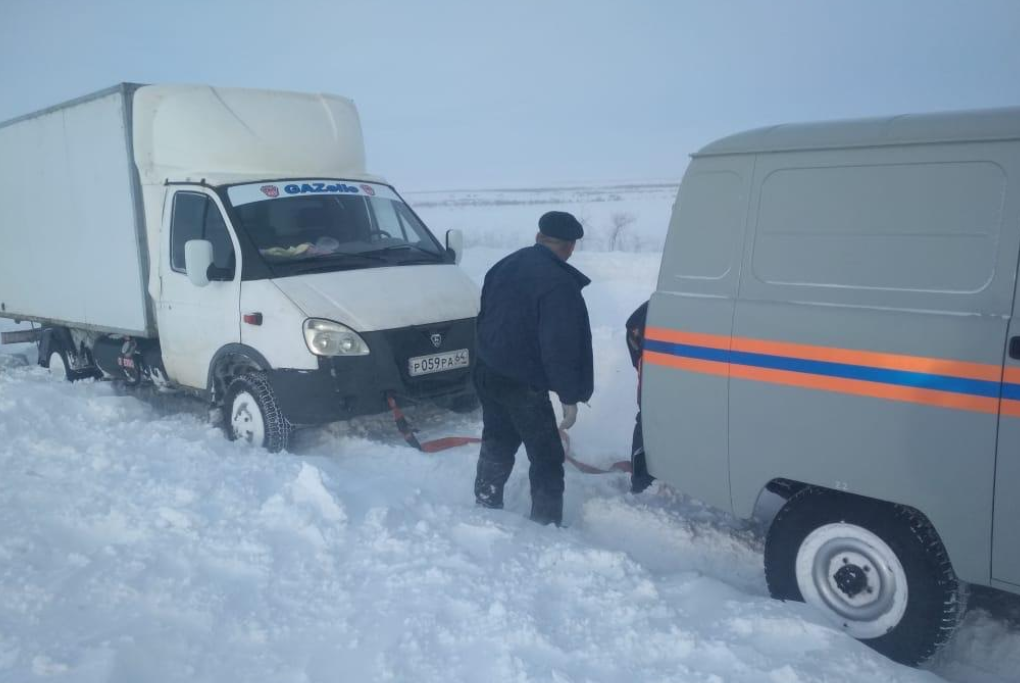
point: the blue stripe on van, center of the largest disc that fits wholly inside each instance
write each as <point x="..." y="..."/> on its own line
<point x="956" y="385"/>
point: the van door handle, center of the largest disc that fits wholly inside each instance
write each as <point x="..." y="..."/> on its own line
<point x="1014" y="348"/>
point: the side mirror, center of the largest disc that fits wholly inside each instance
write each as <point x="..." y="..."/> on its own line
<point x="455" y="244"/>
<point x="198" y="256"/>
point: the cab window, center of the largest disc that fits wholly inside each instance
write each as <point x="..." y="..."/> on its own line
<point x="196" y="217"/>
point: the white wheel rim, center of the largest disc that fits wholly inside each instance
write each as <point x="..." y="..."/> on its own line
<point x="246" y="419"/>
<point x="58" y="368"/>
<point x="854" y="578"/>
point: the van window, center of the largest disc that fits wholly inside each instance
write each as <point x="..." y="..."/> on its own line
<point x="930" y="227"/>
<point x="196" y="217"/>
<point x="705" y="225"/>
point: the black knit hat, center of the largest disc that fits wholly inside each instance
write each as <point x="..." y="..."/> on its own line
<point x="561" y="225"/>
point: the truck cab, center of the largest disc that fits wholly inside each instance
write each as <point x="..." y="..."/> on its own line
<point x="294" y="288"/>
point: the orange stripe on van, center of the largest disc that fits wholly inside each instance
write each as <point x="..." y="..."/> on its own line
<point x="870" y="389"/>
<point x="1011" y="375"/>
<point x="705" y="367"/>
<point x="889" y="361"/>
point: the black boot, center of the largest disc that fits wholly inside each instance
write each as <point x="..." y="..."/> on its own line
<point x="489" y="482"/>
<point x="639" y="478"/>
<point x="547" y="509"/>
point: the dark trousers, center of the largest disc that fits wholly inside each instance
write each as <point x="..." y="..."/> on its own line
<point x="639" y="478"/>
<point x="512" y="414"/>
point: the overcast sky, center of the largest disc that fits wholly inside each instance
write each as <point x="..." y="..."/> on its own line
<point x="520" y="93"/>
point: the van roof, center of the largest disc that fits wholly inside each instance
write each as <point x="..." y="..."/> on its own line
<point x="908" y="129"/>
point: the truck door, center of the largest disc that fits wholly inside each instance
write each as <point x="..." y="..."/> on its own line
<point x="194" y="322"/>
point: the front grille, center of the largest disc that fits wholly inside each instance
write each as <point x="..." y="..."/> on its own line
<point x="409" y="342"/>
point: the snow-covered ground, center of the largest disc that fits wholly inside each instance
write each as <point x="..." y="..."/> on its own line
<point x="137" y="544"/>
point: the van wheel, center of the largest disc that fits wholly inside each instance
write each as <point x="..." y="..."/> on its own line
<point x="878" y="571"/>
<point x="251" y="413"/>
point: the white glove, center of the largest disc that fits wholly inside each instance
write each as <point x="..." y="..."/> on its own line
<point x="569" y="415"/>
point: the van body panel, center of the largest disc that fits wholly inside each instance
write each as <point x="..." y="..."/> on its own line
<point x="840" y="433"/>
<point x="901" y="252"/>
<point x="685" y="414"/>
<point x="688" y="412"/>
<point x="877" y="280"/>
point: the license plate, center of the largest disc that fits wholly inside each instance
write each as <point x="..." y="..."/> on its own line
<point x="439" y="362"/>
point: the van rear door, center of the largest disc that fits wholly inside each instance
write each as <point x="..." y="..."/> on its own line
<point x="685" y="393"/>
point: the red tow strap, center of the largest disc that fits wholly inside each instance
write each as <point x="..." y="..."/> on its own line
<point x="619" y="466"/>
<point x="448" y="442"/>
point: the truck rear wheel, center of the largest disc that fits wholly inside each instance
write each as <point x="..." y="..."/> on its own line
<point x="252" y="413"/>
<point x="60" y="367"/>
<point x="876" y="570"/>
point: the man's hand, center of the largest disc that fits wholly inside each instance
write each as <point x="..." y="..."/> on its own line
<point x="569" y="415"/>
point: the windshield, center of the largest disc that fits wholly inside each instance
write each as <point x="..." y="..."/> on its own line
<point x="330" y="224"/>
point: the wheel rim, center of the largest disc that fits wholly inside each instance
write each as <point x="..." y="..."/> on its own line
<point x="854" y="577"/>
<point x="58" y="368"/>
<point x="246" y="419"/>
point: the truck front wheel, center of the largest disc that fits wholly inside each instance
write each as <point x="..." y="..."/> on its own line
<point x="878" y="571"/>
<point x="252" y="413"/>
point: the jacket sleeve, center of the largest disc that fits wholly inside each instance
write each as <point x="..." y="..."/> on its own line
<point x="565" y="344"/>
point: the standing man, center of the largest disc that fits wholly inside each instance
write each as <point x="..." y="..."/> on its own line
<point x="533" y="337"/>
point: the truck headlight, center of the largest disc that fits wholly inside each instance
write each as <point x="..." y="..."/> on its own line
<point x="327" y="338"/>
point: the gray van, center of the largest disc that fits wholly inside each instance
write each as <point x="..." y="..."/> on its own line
<point x="836" y="320"/>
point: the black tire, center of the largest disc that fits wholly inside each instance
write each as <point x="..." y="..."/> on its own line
<point x="933" y="606"/>
<point x="277" y="430"/>
<point x="67" y="373"/>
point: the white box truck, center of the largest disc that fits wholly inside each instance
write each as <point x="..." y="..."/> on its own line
<point x="229" y="243"/>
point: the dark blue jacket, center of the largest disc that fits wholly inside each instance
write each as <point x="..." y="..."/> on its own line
<point x="534" y="325"/>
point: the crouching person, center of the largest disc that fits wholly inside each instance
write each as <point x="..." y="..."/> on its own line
<point x="533" y="337"/>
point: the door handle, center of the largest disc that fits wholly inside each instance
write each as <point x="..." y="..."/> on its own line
<point x="1014" y="348"/>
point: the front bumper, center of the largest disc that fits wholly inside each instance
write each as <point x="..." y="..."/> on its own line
<point x="342" y="388"/>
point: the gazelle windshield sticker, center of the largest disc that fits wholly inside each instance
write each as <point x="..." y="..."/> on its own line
<point x="260" y="192"/>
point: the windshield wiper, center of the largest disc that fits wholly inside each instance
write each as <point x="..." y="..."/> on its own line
<point x="404" y="247"/>
<point x="333" y="261"/>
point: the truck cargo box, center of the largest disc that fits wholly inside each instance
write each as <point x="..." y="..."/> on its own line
<point x="72" y="238"/>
